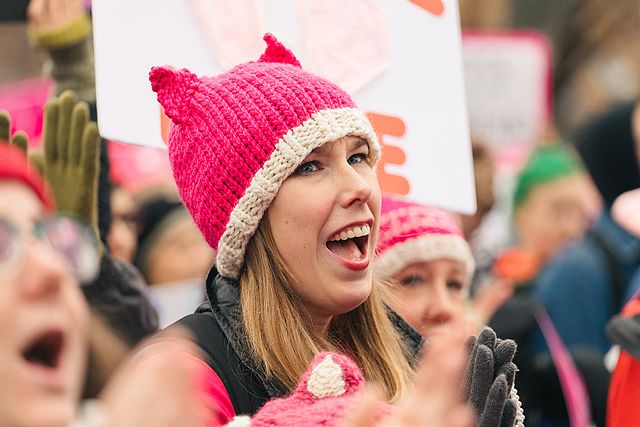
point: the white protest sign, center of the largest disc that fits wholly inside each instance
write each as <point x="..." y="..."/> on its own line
<point x="400" y="59"/>
<point x="508" y="78"/>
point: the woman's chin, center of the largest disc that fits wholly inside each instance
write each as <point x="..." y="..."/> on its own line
<point x="352" y="301"/>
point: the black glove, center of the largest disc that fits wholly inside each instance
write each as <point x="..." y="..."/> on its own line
<point x="625" y="331"/>
<point x="489" y="379"/>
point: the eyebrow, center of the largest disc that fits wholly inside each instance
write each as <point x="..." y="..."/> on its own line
<point x="354" y="145"/>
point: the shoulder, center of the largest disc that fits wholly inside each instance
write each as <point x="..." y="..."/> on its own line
<point x="579" y="266"/>
<point x="582" y="258"/>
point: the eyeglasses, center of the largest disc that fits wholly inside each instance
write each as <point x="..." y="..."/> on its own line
<point x="70" y="238"/>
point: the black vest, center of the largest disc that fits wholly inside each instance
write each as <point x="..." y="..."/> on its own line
<point x="218" y="331"/>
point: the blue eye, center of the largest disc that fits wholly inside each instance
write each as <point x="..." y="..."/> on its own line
<point x="358" y="158"/>
<point x="412" y="280"/>
<point x="307" y="168"/>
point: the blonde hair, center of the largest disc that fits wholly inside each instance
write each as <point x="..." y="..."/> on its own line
<point x="270" y="307"/>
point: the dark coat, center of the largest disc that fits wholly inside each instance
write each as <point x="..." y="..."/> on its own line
<point x="231" y="357"/>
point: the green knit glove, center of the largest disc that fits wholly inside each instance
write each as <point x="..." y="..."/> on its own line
<point x="19" y="139"/>
<point x="71" y="152"/>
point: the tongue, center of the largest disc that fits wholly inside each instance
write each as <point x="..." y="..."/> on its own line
<point x="346" y="249"/>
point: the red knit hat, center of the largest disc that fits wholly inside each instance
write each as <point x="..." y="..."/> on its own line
<point x="411" y="233"/>
<point x="15" y="166"/>
<point x="236" y="137"/>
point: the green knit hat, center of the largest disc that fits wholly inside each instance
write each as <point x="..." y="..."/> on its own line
<point x="547" y="163"/>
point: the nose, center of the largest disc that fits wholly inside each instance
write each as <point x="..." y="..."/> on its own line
<point x="43" y="274"/>
<point x="438" y="308"/>
<point x="355" y="188"/>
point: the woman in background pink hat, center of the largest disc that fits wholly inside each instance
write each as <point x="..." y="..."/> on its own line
<point x="426" y="260"/>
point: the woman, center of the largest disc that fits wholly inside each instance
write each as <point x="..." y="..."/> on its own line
<point x="428" y="265"/>
<point x="45" y="325"/>
<point x="277" y="168"/>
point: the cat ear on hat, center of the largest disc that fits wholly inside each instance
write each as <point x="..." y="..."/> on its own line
<point x="277" y="52"/>
<point x="175" y="89"/>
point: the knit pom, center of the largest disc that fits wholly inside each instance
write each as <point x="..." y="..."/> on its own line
<point x="330" y="375"/>
<point x="277" y="52"/>
<point x="175" y="89"/>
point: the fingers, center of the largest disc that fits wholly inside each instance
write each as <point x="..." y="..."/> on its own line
<point x="482" y="378"/>
<point x="50" y="132"/>
<point x="509" y="414"/>
<point x="79" y="120"/>
<point x="165" y="378"/>
<point x="5" y="127"/>
<point x="73" y="8"/>
<point x="504" y="352"/>
<point x="67" y="101"/>
<point x="89" y="158"/>
<point x="437" y="382"/>
<point x="509" y="371"/>
<point x="364" y="410"/>
<point x="472" y="349"/>
<point x="171" y="339"/>
<point x="36" y="11"/>
<point x="21" y="141"/>
<point x="492" y="414"/>
<point x="487" y="337"/>
<point x="36" y="157"/>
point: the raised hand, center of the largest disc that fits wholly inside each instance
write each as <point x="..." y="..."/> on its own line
<point x="19" y="139"/>
<point x="489" y="378"/>
<point x="71" y="153"/>
<point x="434" y="399"/>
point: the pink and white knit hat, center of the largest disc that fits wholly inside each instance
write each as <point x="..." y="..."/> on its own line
<point x="411" y="233"/>
<point x="236" y="137"/>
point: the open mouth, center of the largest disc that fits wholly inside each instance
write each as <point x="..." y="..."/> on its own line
<point x="351" y="244"/>
<point x="45" y="350"/>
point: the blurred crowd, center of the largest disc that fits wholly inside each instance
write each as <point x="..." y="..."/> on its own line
<point x="100" y="273"/>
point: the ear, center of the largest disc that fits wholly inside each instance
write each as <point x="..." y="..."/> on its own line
<point x="277" y="52"/>
<point x="331" y="375"/>
<point x="326" y="379"/>
<point x="175" y="89"/>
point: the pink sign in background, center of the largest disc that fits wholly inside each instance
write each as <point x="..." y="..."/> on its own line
<point x="24" y="100"/>
<point x="136" y="168"/>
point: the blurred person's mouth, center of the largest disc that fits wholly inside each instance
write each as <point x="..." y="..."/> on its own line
<point x="43" y="356"/>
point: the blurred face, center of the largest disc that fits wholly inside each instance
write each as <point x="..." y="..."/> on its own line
<point x="180" y="254"/>
<point x="122" y="237"/>
<point x="43" y="320"/>
<point x="431" y="295"/>
<point x="324" y="221"/>
<point x="553" y="214"/>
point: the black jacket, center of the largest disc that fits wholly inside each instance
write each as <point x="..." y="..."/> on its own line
<point x="219" y="331"/>
<point x="119" y="297"/>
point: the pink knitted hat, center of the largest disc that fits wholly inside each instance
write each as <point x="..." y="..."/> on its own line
<point x="411" y="233"/>
<point x="322" y="397"/>
<point x="236" y="137"/>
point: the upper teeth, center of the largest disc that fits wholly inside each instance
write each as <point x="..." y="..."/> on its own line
<point x="352" y="232"/>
